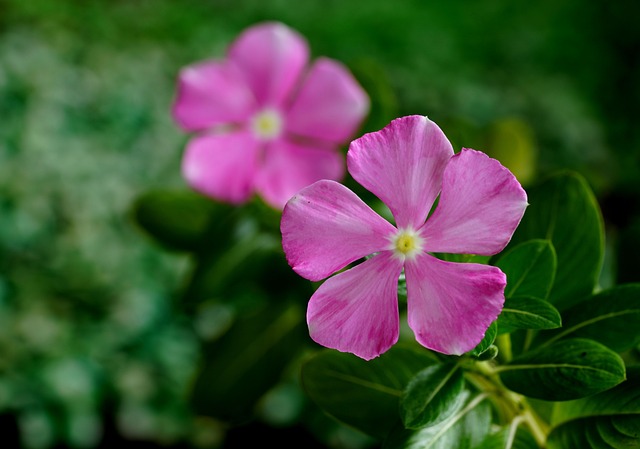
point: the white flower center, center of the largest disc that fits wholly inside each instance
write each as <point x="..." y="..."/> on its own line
<point x="407" y="243"/>
<point x="267" y="124"/>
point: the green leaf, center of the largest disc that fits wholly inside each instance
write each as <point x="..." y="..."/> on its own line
<point x="512" y="437"/>
<point x="564" y="370"/>
<point x="249" y="359"/>
<point x="527" y="313"/>
<point x="178" y="220"/>
<point x="434" y="394"/>
<point x="530" y="268"/>
<point x="466" y="428"/>
<point x="564" y="210"/>
<point x="611" y="317"/>
<point x="606" y="432"/>
<point x="488" y="339"/>
<point x="623" y="399"/>
<point x="364" y="395"/>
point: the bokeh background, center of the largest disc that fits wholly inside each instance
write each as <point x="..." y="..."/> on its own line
<point x="95" y="348"/>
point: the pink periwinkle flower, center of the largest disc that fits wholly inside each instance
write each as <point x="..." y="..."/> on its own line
<point x="326" y="227"/>
<point x="266" y="122"/>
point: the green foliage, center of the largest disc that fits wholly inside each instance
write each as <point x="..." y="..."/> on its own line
<point x="180" y="219"/>
<point x="564" y="370"/>
<point x="432" y="396"/>
<point x="464" y="429"/>
<point x="365" y="395"/>
<point x="487" y="340"/>
<point x="564" y="211"/>
<point x="266" y="342"/>
<point x="609" y="317"/>
<point x="527" y="313"/>
<point x="530" y="268"/>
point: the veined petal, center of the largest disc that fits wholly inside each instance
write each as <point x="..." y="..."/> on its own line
<point x="402" y="165"/>
<point x="480" y="207"/>
<point x="272" y="57"/>
<point x="451" y="305"/>
<point x="288" y="167"/>
<point x="357" y="310"/>
<point x="326" y="226"/>
<point x="211" y="93"/>
<point x="330" y="104"/>
<point x="222" y="166"/>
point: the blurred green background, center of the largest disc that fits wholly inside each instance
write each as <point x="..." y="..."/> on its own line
<point x="94" y="351"/>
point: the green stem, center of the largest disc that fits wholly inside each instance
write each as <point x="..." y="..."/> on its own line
<point x="511" y="407"/>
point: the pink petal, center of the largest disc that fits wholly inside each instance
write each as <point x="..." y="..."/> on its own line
<point x="451" y="305"/>
<point x="222" y="166"/>
<point x="211" y="93"/>
<point x="357" y="310"/>
<point x="288" y="167"/>
<point x="330" y="105"/>
<point x="326" y="226"/>
<point x="272" y="57"/>
<point x="402" y="165"/>
<point x="480" y="207"/>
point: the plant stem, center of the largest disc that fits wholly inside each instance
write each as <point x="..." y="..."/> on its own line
<point x="509" y="405"/>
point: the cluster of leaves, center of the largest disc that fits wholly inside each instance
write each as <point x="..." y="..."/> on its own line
<point x="558" y="367"/>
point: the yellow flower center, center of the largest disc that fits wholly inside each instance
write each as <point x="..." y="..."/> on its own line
<point x="267" y="124"/>
<point x="407" y="243"/>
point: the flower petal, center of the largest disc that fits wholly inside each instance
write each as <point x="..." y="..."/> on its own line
<point x="272" y="57"/>
<point x="402" y="165"/>
<point x="451" y="305"/>
<point x="480" y="207"/>
<point x="211" y="93"/>
<point x="326" y="226"/>
<point x="222" y="166"/>
<point x="330" y="104"/>
<point x="288" y="167"/>
<point x="357" y="310"/>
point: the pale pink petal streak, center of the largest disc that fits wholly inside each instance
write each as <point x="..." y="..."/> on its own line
<point x="480" y="206"/>
<point x="222" y="165"/>
<point x="451" y="305"/>
<point x="272" y="57"/>
<point x="356" y="311"/>
<point x="330" y="104"/>
<point x="211" y="93"/>
<point x="288" y="167"/>
<point x="326" y="226"/>
<point x="402" y="165"/>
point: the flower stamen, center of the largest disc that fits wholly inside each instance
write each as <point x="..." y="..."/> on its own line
<point x="407" y="243"/>
<point x="267" y="124"/>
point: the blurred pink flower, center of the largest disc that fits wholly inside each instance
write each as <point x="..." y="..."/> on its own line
<point x="326" y="226"/>
<point x="266" y="123"/>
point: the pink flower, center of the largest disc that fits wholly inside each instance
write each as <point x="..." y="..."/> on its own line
<point x="266" y="123"/>
<point x="326" y="226"/>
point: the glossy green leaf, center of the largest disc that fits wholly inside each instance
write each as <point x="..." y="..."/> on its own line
<point x="488" y="339"/>
<point x="564" y="370"/>
<point x="178" y="220"/>
<point x="527" y="313"/>
<point x="627" y="424"/>
<point x="434" y="394"/>
<point x="238" y="368"/>
<point x="509" y="438"/>
<point x="611" y="317"/>
<point x="530" y="268"/>
<point x="364" y="395"/>
<point x="564" y="211"/>
<point x="602" y="432"/>
<point x="622" y="399"/>
<point x="466" y="428"/>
